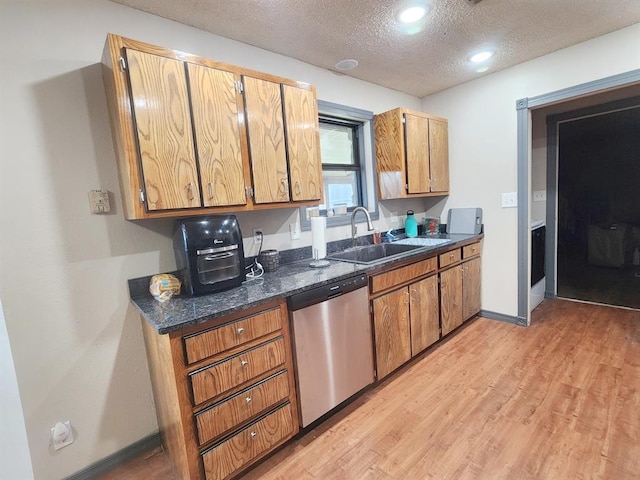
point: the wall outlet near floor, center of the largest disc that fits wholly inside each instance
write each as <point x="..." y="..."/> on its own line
<point x="294" y="230"/>
<point x="61" y="435"/>
<point x="539" y="195"/>
<point x="510" y="200"/>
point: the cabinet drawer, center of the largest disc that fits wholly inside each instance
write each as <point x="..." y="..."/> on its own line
<point x="216" y="340"/>
<point x="471" y="250"/>
<point x="449" y="258"/>
<point x="219" y="377"/>
<point x="225" y="415"/>
<point x="398" y="276"/>
<point x="222" y="460"/>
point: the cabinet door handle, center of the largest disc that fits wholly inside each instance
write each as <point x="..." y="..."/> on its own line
<point x="190" y="191"/>
<point x="298" y="187"/>
<point x="210" y="189"/>
<point x="283" y="185"/>
<point x="240" y="330"/>
<point x="248" y="399"/>
<point x="451" y="256"/>
<point x="253" y="434"/>
<point x="244" y="363"/>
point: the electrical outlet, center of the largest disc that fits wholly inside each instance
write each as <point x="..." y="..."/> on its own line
<point x="61" y="435"/>
<point x="394" y="217"/>
<point x="510" y="200"/>
<point x="257" y="236"/>
<point x="294" y="231"/>
<point x="539" y="195"/>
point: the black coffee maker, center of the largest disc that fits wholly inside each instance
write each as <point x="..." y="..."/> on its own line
<point x="209" y="253"/>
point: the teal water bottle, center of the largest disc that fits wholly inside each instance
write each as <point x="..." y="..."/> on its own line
<point x="410" y="225"/>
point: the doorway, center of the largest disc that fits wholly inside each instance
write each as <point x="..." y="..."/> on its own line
<point x="528" y="109"/>
<point x="598" y="209"/>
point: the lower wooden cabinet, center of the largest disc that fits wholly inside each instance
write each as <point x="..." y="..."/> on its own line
<point x="451" y="299"/>
<point x="471" y="293"/>
<point x="424" y="307"/>
<point x="460" y="286"/>
<point x="405" y="319"/>
<point x="392" y="331"/>
<point x="224" y="391"/>
<point x="413" y="306"/>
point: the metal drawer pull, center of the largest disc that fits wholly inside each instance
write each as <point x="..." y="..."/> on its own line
<point x="240" y="330"/>
<point x="451" y="255"/>
<point x="244" y="363"/>
<point x="248" y="399"/>
<point x="253" y="434"/>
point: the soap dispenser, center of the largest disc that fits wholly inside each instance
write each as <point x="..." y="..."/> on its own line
<point x="410" y="225"/>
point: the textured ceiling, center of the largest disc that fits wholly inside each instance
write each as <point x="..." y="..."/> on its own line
<point x="322" y="32"/>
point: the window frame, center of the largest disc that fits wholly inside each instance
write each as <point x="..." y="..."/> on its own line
<point x="367" y="181"/>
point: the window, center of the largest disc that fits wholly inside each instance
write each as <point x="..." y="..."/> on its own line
<point x="346" y="149"/>
<point x="340" y="164"/>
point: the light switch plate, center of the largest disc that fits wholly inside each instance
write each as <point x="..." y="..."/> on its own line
<point x="510" y="200"/>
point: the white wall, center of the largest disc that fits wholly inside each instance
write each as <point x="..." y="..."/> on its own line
<point x="14" y="449"/>
<point x="76" y="341"/>
<point x="483" y="141"/>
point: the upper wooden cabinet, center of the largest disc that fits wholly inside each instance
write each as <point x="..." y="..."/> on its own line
<point x="194" y="136"/>
<point x="412" y="154"/>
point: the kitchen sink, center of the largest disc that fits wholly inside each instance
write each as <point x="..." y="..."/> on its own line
<point x="372" y="253"/>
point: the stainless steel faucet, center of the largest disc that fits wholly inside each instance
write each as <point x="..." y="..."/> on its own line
<point x="354" y="229"/>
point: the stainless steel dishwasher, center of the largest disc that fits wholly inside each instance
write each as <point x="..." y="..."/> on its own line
<point x="333" y="345"/>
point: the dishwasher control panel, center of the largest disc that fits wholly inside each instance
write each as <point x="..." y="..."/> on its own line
<point x="326" y="292"/>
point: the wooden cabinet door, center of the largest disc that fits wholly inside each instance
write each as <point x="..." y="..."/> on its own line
<point x="160" y="106"/>
<point x="265" y="125"/>
<point x="451" y="299"/>
<point x="390" y="154"/>
<point x="424" y="309"/>
<point x="301" y="124"/>
<point x="417" y="144"/>
<point x="217" y="134"/>
<point x="391" y="328"/>
<point x="471" y="298"/>
<point x="439" y="155"/>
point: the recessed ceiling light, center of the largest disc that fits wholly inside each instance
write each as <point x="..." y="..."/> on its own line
<point x="412" y="14"/>
<point x="348" y="64"/>
<point x="481" y="56"/>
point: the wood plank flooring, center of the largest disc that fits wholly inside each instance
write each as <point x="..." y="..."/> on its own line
<point x="557" y="400"/>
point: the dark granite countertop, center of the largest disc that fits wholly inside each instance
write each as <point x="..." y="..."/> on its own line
<point x="183" y="311"/>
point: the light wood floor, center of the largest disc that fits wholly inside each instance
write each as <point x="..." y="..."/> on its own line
<point x="558" y="400"/>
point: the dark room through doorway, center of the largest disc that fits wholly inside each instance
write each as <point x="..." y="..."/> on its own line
<point x="598" y="244"/>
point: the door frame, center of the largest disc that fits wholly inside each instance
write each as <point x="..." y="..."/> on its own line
<point x="523" y="108"/>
